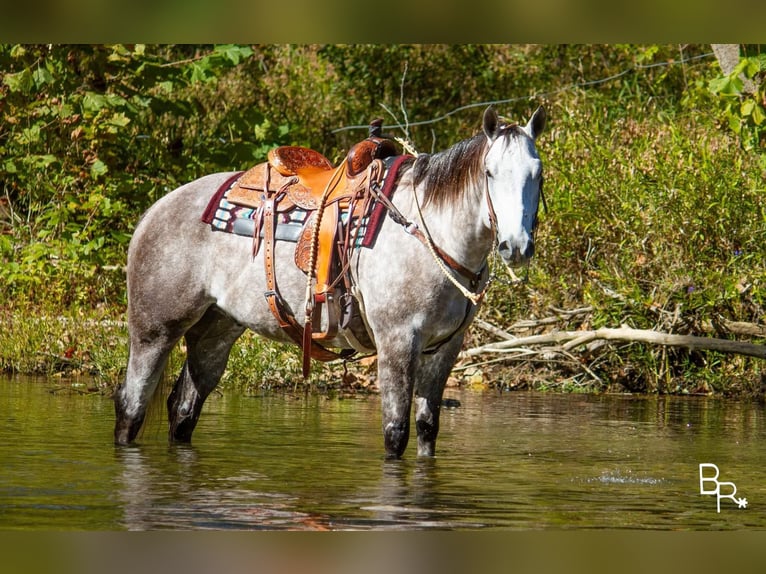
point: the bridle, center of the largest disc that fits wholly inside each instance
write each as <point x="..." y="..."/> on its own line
<point x="447" y="264"/>
<point x="440" y="257"/>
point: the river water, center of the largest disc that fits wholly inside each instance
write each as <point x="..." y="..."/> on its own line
<point x="518" y="460"/>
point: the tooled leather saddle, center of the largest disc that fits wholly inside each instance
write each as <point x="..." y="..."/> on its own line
<point x="296" y="177"/>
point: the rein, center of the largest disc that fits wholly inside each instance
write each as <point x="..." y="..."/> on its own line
<point x="440" y="259"/>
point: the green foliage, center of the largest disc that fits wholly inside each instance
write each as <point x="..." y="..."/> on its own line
<point x="657" y="221"/>
<point x="744" y="111"/>
<point x="91" y="136"/>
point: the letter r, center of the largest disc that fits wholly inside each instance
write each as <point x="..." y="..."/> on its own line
<point x="731" y="495"/>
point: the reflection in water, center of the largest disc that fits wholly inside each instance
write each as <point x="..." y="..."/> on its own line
<point x="171" y="495"/>
<point x="505" y="460"/>
<point x="135" y="492"/>
<point x="405" y="496"/>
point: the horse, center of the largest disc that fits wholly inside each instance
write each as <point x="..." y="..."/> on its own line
<point x="186" y="280"/>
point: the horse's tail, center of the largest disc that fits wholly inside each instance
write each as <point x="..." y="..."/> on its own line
<point x="155" y="418"/>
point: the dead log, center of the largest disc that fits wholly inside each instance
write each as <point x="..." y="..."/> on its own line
<point x="569" y="340"/>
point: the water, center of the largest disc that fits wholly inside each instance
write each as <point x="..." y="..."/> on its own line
<point x="505" y="461"/>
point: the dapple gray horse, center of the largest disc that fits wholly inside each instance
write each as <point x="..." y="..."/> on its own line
<point x="187" y="280"/>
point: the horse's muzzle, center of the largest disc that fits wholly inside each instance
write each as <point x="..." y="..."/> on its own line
<point x="513" y="255"/>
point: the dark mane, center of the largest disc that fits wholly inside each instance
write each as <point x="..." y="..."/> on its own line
<point x="447" y="174"/>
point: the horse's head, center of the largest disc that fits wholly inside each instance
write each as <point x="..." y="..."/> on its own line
<point x="514" y="175"/>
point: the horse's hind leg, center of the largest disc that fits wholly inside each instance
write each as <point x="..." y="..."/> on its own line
<point x="208" y="344"/>
<point x="146" y="362"/>
<point x="429" y="388"/>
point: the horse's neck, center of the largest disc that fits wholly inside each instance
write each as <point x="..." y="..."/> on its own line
<point x="461" y="229"/>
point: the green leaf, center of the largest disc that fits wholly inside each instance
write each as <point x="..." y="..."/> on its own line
<point x="726" y="86"/>
<point x="119" y="119"/>
<point x="747" y="107"/>
<point x="115" y="101"/>
<point x="20" y="81"/>
<point x="92" y="102"/>
<point x="262" y="130"/>
<point x="758" y="115"/>
<point x="65" y="111"/>
<point x="18" y="51"/>
<point x="233" y="53"/>
<point x="41" y="161"/>
<point x="31" y="134"/>
<point x="199" y="70"/>
<point x="98" y="169"/>
<point x="42" y="77"/>
<point x="648" y="54"/>
<point x="119" y="52"/>
<point x="749" y="67"/>
<point x="734" y="124"/>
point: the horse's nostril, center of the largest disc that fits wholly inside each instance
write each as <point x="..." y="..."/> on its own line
<point x="513" y="254"/>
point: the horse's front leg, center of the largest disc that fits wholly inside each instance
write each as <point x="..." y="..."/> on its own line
<point x="431" y="379"/>
<point x="396" y="368"/>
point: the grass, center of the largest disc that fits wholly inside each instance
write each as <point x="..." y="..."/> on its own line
<point x="76" y="343"/>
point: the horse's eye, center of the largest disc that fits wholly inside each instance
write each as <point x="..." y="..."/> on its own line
<point x="487" y="173"/>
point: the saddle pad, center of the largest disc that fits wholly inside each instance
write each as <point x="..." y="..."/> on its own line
<point x="223" y="215"/>
<point x="393" y="164"/>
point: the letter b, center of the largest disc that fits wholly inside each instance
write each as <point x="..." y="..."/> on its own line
<point x="704" y="479"/>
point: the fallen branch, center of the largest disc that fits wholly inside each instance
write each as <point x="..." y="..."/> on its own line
<point x="528" y="324"/>
<point x="496" y="331"/>
<point x="734" y="327"/>
<point x="569" y="340"/>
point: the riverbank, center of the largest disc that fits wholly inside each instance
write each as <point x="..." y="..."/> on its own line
<point x="90" y="347"/>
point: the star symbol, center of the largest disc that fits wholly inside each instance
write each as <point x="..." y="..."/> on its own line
<point x="742" y="502"/>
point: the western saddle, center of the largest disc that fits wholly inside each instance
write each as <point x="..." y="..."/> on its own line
<point x="298" y="177"/>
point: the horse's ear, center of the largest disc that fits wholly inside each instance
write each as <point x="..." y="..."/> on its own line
<point x="536" y="123"/>
<point x="490" y="122"/>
